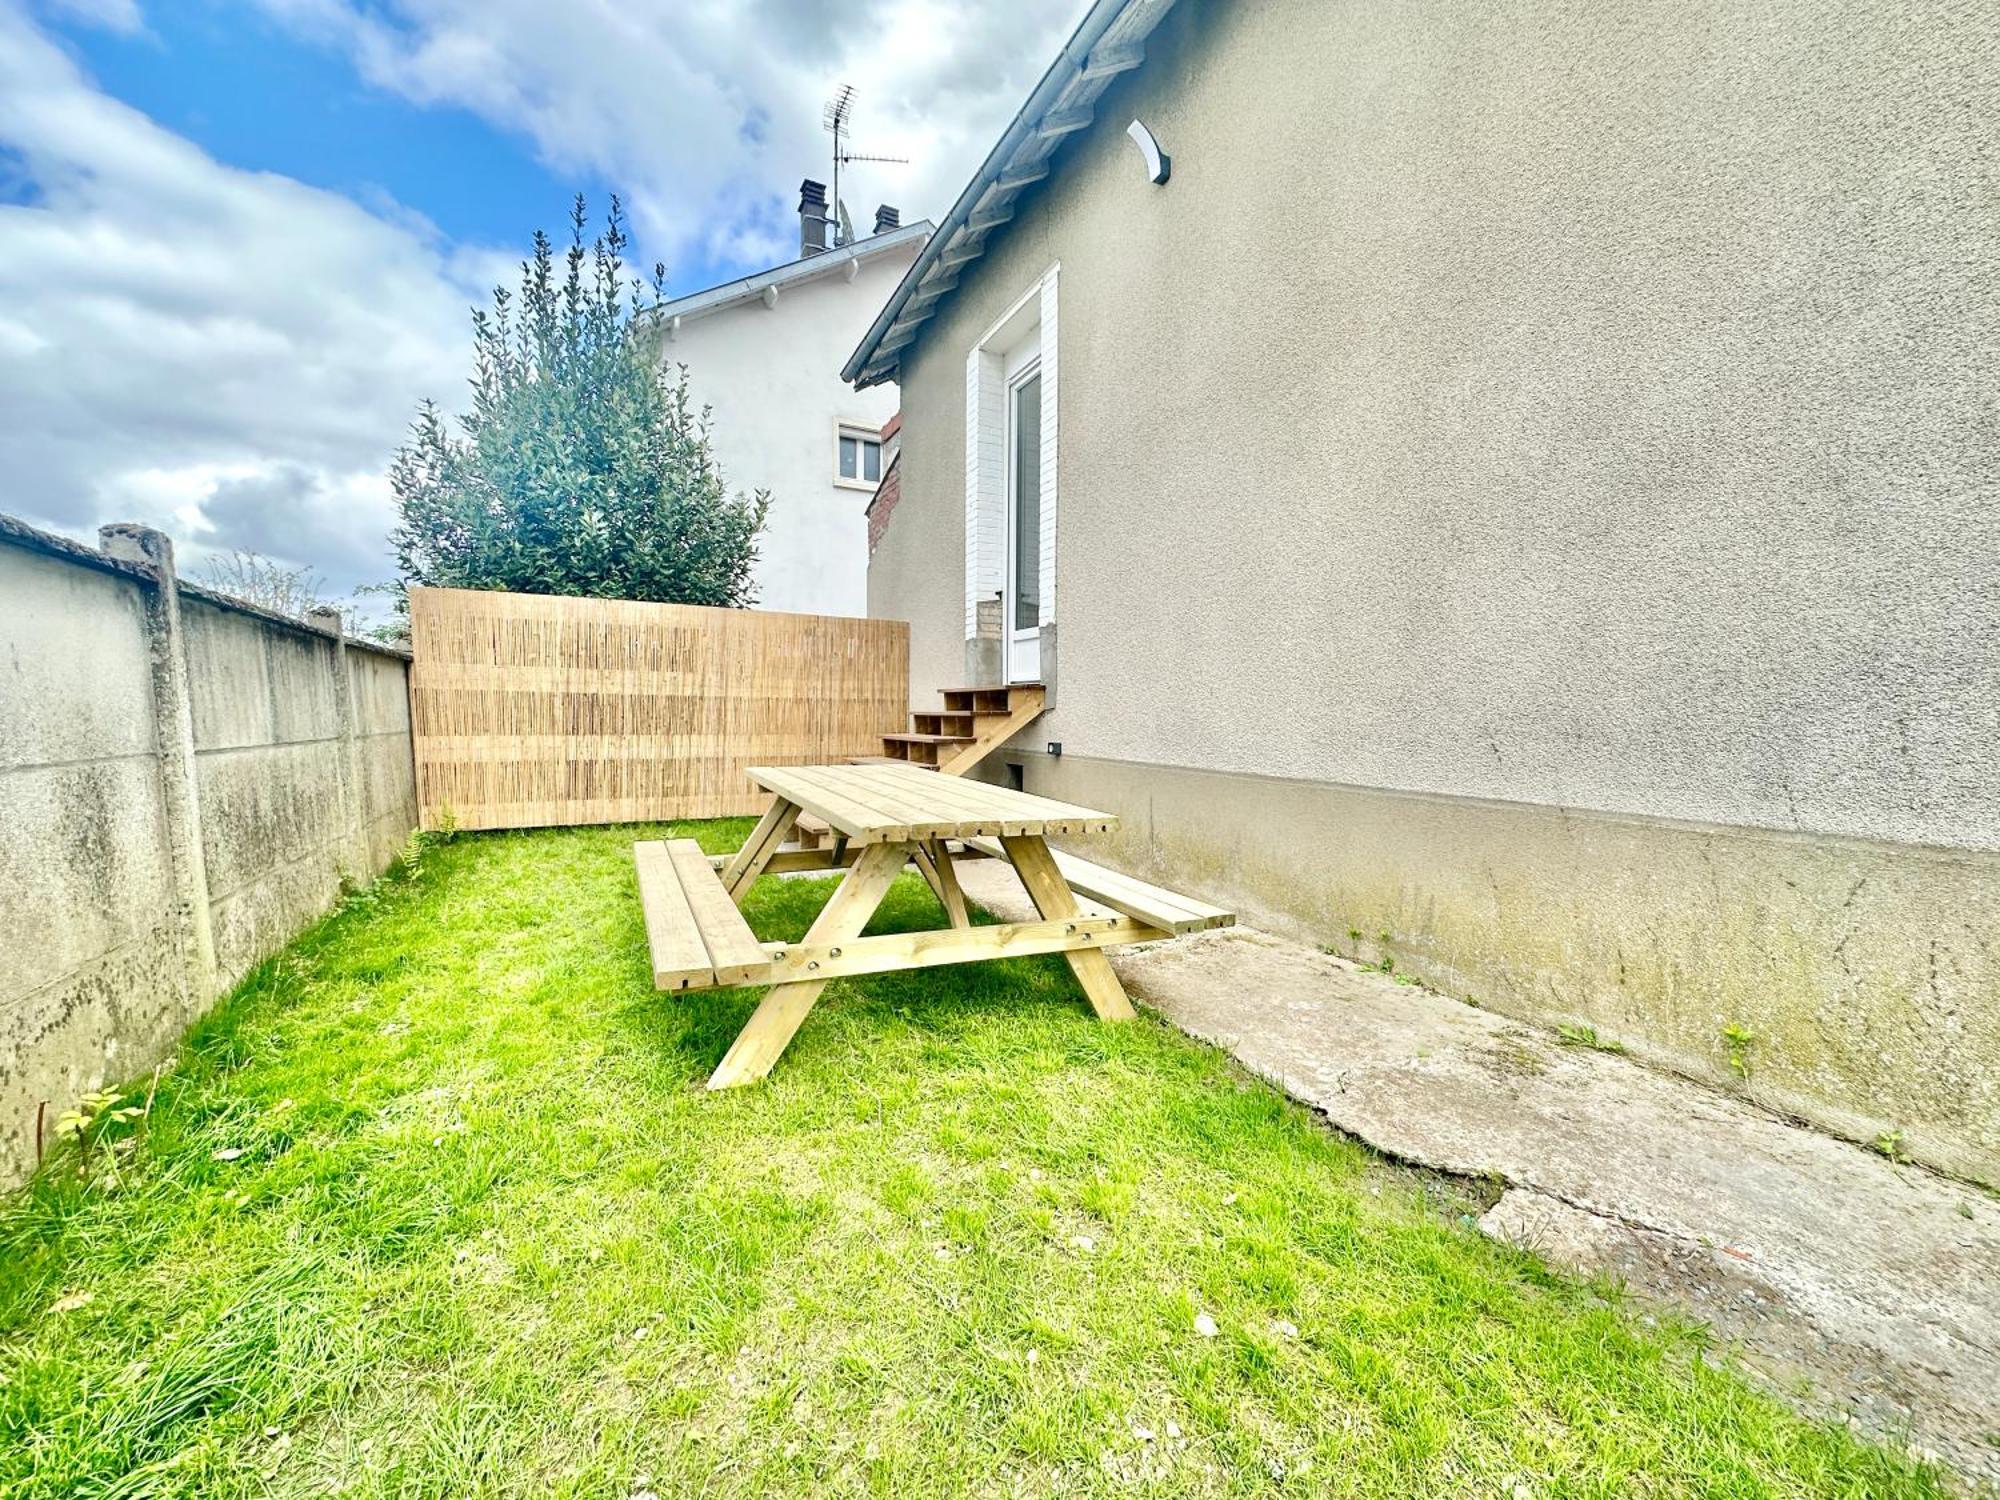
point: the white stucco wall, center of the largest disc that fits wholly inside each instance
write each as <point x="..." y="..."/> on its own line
<point x="1528" y="509"/>
<point x="772" y="376"/>
<point x="1504" y="408"/>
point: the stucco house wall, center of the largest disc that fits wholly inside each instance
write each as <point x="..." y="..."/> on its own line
<point x="1529" y="508"/>
<point x="772" y="377"/>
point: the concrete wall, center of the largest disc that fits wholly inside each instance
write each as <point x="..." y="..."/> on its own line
<point x="772" y="375"/>
<point x="1548" y="453"/>
<point x="127" y="904"/>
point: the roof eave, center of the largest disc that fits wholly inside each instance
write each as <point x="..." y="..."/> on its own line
<point x="1108" y="41"/>
<point x="749" y="288"/>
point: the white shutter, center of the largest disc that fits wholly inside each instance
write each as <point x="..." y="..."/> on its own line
<point x="1050" y="406"/>
<point x="985" y="482"/>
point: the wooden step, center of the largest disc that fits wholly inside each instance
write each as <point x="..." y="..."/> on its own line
<point x="987" y="700"/>
<point x="974" y="722"/>
<point x="697" y="936"/>
<point x="909" y="751"/>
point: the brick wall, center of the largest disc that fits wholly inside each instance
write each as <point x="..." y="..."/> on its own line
<point x="887" y="493"/>
<point x="890" y="490"/>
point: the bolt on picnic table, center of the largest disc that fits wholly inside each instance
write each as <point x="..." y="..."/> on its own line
<point x="885" y="817"/>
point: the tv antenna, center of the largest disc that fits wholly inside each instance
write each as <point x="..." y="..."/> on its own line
<point x="838" y="117"/>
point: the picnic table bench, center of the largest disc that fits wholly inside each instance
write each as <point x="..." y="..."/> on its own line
<point x="885" y="817"/>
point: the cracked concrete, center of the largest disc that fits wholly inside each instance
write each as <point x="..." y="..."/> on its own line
<point x="1859" y="1288"/>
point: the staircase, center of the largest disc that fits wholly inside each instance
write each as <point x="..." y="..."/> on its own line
<point x="973" y="723"/>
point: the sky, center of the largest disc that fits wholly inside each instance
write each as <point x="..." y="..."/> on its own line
<point x="240" y="239"/>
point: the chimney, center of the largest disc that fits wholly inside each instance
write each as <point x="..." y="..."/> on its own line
<point x="812" y="218"/>
<point x="888" y="217"/>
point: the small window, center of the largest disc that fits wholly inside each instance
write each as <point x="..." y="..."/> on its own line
<point x="858" y="464"/>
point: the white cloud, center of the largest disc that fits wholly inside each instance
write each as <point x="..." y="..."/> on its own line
<point x="177" y="336"/>
<point x="234" y="355"/>
<point x="112" y="15"/>
<point x="707" y="115"/>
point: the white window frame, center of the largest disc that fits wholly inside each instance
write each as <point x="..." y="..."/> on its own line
<point x="986" y="461"/>
<point x="862" y="432"/>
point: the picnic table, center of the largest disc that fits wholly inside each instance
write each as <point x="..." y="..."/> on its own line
<point x="885" y="817"/>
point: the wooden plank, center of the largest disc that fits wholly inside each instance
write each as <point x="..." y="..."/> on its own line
<point x="1005" y="802"/>
<point x="897" y="797"/>
<point x="947" y="879"/>
<point x="857" y="821"/>
<point x="790" y="861"/>
<point x="952" y="945"/>
<point x="770" y="1028"/>
<point x="1052" y="898"/>
<point x="530" y="711"/>
<point x="902" y="803"/>
<point x="920" y="857"/>
<point x="1134" y="897"/>
<point x="734" y="954"/>
<point x="680" y="959"/>
<point x="743" y="870"/>
<point x="998" y="812"/>
<point x="821" y="791"/>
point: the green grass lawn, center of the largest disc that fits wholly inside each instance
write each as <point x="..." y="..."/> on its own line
<point x="486" y="1235"/>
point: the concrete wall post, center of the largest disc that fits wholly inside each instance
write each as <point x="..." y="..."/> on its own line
<point x="352" y="802"/>
<point x="173" y="731"/>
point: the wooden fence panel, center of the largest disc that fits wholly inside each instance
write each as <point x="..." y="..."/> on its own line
<point x="531" y="711"/>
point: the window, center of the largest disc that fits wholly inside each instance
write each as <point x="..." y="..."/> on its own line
<point x="1011" y="489"/>
<point x="857" y="457"/>
<point x="1024" y="507"/>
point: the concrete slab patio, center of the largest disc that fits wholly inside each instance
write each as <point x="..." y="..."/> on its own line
<point x="1859" y="1288"/>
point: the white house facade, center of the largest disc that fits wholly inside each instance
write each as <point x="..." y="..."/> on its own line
<point x="764" y="352"/>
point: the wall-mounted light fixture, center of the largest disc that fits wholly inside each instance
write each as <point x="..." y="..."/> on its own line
<point x="1159" y="165"/>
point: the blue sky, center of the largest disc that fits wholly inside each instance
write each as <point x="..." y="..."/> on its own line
<point x="253" y="94"/>
<point x="239" y="239"/>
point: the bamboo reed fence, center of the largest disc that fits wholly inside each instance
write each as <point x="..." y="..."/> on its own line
<point x="532" y="711"/>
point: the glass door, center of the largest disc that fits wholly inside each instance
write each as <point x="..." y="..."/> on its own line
<point x="1022" y="606"/>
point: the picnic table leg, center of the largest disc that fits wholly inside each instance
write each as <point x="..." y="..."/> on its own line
<point x="742" y="871"/>
<point x="934" y="864"/>
<point x="769" y="1030"/>
<point x="1055" y="900"/>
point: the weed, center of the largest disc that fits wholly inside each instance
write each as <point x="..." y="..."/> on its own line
<point x="1576" y="1034"/>
<point x="1890" y="1144"/>
<point x="1739" y="1039"/>
<point x="409" y="862"/>
<point x="104" y="1125"/>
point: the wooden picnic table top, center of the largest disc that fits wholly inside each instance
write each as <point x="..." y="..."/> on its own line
<point x="875" y="804"/>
